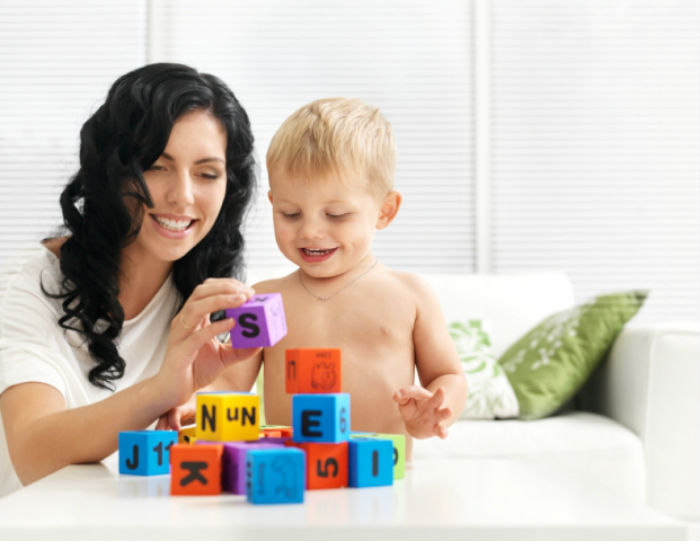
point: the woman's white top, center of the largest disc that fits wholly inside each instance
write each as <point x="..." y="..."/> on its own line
<point x="34" y="348"/>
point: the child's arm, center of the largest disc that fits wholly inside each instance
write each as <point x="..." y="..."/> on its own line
<point x="430" y="409"/>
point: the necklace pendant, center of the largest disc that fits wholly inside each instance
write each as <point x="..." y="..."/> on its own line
<point x="322" y="298"/>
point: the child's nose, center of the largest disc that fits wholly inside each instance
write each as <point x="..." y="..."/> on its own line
<point x="311" y="229"/>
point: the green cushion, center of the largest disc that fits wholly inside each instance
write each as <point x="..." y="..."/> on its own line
<point x="548" y="365"/>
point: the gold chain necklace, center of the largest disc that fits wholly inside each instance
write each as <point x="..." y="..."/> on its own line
<point x="324" y="298"/>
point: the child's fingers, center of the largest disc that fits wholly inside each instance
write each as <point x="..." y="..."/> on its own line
<point x="440" y="431"/>
<point x="437" y="398"/>
<point x="412" y="391"/>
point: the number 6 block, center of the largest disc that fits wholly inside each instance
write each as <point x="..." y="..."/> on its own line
<point x="321" y="417"/>
<point x="260" y="322"/>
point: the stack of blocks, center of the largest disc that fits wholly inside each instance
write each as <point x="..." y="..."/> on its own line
<point x="228" y="450"/>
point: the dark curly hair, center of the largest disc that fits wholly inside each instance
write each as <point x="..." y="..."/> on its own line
<point x="118" y="143"/>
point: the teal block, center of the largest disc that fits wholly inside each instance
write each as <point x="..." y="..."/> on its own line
<point x="370" y="462"/>
<point x="275" y="475"/>
<point x="321" y="418"/>
<point x="145" y="452"/>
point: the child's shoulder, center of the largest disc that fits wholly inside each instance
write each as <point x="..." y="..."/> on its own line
<point x="275" y="285"/>
<point x="410" y="281"/>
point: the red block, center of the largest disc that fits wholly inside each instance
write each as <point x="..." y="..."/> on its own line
<point x="326" y="464"/>
<point x="312" y="371"/>
<point x="195" y="469"/>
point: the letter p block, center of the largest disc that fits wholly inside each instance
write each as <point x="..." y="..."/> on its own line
<point x="260" y="322"/>
<point x="321" y="417"/>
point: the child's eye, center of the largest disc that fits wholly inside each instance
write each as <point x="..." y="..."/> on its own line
<point x="291" y="215"/>
<point x="339" y="216"/>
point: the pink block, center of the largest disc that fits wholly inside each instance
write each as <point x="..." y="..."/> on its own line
<point x="259" y="323"/>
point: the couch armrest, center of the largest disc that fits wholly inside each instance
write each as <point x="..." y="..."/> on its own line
<point x="651" y="384"/>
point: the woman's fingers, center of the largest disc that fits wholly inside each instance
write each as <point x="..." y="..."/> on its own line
<point x="214" y="286"/>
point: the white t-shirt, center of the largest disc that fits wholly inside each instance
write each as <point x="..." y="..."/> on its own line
<point x="34" y="348"/>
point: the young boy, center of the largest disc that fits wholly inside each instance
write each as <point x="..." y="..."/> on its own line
<point x="331" y="167"/>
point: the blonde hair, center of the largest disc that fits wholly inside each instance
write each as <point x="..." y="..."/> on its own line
<point x="336" y="136"/>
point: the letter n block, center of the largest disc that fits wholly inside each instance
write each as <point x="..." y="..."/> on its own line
<point x="196" y="469"/>
<point x="225" y="416"/>
<point x="260" y="322"/>
<point x="326" y="464"/>
<point x="312" y="371"/>
<point x="275" y="475"/>
<point x="370" y="462"/>
<point x="145" y="452"/>
<point x="321" y="417"/>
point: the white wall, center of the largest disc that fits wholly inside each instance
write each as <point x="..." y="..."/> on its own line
<point x="586" y="111"/>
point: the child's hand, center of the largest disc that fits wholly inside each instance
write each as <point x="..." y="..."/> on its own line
<point x="178" y="417"/>
<point x="423" y="412"/>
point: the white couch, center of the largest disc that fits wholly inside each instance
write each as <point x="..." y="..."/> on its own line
<point x="635" y="427"/>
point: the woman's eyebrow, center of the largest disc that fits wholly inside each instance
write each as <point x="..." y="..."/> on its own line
<point x="168" y="157"/>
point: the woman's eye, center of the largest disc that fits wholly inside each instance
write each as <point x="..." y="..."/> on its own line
<point x="211" y="175"/>
<point x="156" y="167"/>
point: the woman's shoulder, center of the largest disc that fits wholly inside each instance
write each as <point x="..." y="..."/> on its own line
<point x="26" y="264"/>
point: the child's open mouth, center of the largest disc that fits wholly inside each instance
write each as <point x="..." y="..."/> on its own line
<point x="316" y="254"/>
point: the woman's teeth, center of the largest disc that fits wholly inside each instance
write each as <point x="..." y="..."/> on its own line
<point x="173" y="225"/>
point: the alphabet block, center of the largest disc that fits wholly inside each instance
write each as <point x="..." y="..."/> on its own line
<point x="260" y="322"/>
<point x="275" y="431"/>
<point x="196" y="469"/>
<point x="275" y="475"/>
<point x="312" y="371"/>
<point x="326" y="464"/>
<point x="321" y="417"/>
<point x="226" y="416"/>
<point x="187" y="434"/>
<point x="370" y="462"/>
<point x="233" y="477"/>
<point x="145" y="452"/>
<point x="399" y="443"/>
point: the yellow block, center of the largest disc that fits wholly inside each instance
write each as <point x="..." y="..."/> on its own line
<point x="228" y="416"/>
<point x="187" y="434"/>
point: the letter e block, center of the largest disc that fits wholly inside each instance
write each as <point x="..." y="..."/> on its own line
<point x="326" y="464"/>
<point x="196" y="469"/>
<point x="145" y="452"/>
<point x="260" y="322"/>
<point x="312" y="371"/>
<point x="226" y="416"/>
<point x="275" y="475"/>
<point x="370" y="462"/>
<point x="321" y="418"/>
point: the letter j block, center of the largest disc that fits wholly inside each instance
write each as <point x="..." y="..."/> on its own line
<point x="145" y="452"/>
<point x="321" y="417"/>
<point x="260" y="322"/>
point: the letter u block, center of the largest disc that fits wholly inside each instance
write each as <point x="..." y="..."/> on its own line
<point x="326" y="464"/>
<point x="370" y="462"/>
<point x="260" y="322"/>
<point x="145" y="452"/>
<point x="225" y="416"/>
<point x="196" y="469"/>
<point x="275" y="475"/>
<point x="312" y="371"/>
<point x="321" y="417"/>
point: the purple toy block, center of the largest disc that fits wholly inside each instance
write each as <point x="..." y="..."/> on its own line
<point x="259" y="323"/>
<point x="233" y="472"/>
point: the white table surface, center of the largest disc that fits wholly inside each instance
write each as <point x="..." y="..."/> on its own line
<point x="484" y="499"/>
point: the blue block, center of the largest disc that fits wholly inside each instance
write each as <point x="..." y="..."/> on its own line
<point x="145" y="452"/>
<point x="275" y="475"/>
<point x="321" y="418"/>
<point x="370" y="462"/>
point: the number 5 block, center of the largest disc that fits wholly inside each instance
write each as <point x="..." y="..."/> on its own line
<point x="260" y="322"/>
<point x="326" y="464"/>
<point x="145" y="452"/>
<point x="321" y="417"/>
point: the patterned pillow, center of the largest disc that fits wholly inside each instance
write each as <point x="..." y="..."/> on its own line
<point x="489" y="393"/>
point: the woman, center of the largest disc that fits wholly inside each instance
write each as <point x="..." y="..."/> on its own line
<point x="108" y="328"/>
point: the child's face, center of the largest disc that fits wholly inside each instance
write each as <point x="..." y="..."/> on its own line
<point x="324" y="226"/>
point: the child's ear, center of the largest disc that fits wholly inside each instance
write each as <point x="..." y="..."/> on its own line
<point x="269" y="195"/>
<point x="389" y="209"/>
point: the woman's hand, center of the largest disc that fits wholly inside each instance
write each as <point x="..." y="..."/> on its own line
<point x="195" y="357"/>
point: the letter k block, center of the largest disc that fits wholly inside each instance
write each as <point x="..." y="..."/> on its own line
<point x="196" y="469"/>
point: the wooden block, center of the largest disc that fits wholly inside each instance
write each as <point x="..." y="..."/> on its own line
<point x="260" y="322"/>
<point x="226" y="416"/>
<point x="145" y="452"/>
<point x="312" y="371"/>
<point x="196" y="469"/>
<point x="370" y="462"/>
<point x="321" y="417"/>
<point x="187" y="434"/>
<point x="233" y="475"/>
<point x="275" y="475"/>
<point x="326" y="464"/>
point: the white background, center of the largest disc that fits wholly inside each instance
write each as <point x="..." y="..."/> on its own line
<point x="532" y="134"/>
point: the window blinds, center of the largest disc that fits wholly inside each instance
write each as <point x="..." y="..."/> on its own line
<point x="412" y="59"/>
<point x="58" y="60"/>
<point x="595" y="164"/>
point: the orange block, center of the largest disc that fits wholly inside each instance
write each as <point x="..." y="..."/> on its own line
<point x="312" y="371"/>
<point x="326" y="464"/>
<point x="195" y="469"/>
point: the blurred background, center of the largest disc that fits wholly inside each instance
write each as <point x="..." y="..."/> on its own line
<point x="532" y="134"/>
